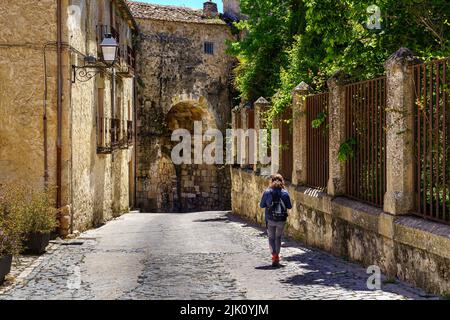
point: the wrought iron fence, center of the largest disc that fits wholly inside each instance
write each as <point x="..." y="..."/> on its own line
<point x="365" y="148"/>
<point x="317" y="150"/>
<point x="432" y="132"/>
<point x="238" y="120"/>
<point x="251" y="118"/>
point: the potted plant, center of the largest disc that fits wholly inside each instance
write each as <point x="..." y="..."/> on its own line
<point x="11" y="226"/>
<point x="39" y="220"/>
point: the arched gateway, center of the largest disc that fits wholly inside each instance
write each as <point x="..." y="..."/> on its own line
<point x="183" y="77"/>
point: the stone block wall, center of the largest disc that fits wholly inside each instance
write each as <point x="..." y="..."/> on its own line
<point x="176" y="77"/>
<point x="100" y="182"/>
<point x="409" y="248"/>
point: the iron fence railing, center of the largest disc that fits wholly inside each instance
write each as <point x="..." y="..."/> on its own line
<point x="317" y="137"/>
<point x="365" y="148"/>
<point x="432" y="133"/>
<point x="251" y="118"/>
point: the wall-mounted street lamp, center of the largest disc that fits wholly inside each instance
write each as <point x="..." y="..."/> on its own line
<point x="110" y="49"/>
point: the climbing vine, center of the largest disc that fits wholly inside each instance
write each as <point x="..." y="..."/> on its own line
<point x="320" y="120"/>
<point x="346" y="150"/>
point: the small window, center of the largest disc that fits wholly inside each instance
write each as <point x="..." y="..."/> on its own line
<point x="209" y="47"/>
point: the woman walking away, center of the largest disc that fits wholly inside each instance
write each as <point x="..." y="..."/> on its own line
<point x="276" y="201"/>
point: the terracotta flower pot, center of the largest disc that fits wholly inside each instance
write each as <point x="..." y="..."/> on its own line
<point x="5" y="267"/>
<point x="36" y="243"/>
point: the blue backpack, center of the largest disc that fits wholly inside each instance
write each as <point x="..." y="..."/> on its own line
<point x="277" y="209"/>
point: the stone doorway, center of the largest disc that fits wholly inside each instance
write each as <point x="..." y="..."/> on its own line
<point x="197" y="185"/>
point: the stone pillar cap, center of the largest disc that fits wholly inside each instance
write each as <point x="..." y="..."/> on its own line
<point x="338" y="78"/>
<point x="402" y="56"/>
<point x="303" y="86"/>
<point x="248" y="105"/>
<point x="261" y="100"/>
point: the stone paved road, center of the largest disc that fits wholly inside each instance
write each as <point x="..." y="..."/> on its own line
<point x="210" y="255"/>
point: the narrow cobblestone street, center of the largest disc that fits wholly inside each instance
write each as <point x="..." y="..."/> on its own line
<point x="210" y="255"/>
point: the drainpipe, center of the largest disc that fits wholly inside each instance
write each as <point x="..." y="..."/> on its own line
<point x="59" y="106"/>
<point x="44" y="118"/>
<point x="113" y="99"/>
<point x="135" y="140"/>
<point x="113" y="93"/>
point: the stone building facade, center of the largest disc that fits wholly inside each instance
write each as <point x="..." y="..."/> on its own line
<point x="184" y="77"/>
<point x="59" y="126"/>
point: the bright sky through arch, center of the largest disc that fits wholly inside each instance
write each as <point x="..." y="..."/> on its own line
<point x="197" y="4"/>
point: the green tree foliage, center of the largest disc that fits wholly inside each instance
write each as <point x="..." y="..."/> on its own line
<point x="287" y="41"/>
<point x="269" y="30"/>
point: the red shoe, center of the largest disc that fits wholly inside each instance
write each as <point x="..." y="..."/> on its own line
<point x="275" y="260"/>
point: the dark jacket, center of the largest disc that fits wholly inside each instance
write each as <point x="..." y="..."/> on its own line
<point x="266" y="199"/>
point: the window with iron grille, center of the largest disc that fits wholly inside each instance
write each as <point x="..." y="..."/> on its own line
<point x="209" y="47"/>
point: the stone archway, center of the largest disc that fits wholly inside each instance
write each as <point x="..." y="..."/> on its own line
<point x="165" y="187"/>
<point x="197" y="184"/>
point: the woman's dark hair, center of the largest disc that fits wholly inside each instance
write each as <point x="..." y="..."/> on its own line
<point x="277" y="181"/>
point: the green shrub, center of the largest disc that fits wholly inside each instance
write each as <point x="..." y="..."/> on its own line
<point x="12" y="199"/>
<point x="24" y="210"/>
<point x="40" y="215"/>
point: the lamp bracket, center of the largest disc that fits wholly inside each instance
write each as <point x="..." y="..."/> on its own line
<point x="86" y="73"/>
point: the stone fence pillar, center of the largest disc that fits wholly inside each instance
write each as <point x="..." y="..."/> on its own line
<point x="235" y="118"/>
<point x="399" y="197"/>
<point x="336" y="116"/>
<point x="299" y="133"/>
<point x="261" y="106"/>
<point x="276" y="143"/>
<point x="244" y="127"/>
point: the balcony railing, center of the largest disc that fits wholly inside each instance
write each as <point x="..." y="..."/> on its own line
<point x="127" y="60"/>
<point x="130" y="132"/>
<point x="131" y="58"/>
<point x="103" y="137"/>
<point x="113" y="134"/>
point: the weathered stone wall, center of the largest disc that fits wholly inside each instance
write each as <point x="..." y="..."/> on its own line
<point x="173" y="69"/>
<point x="22" y="90"/>
<point x="100" y="182"/>
<point x="405" y="247"/>
<point x="96" y="187"/>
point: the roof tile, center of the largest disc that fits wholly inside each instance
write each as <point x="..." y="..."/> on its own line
<point x="170" y="13"/>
